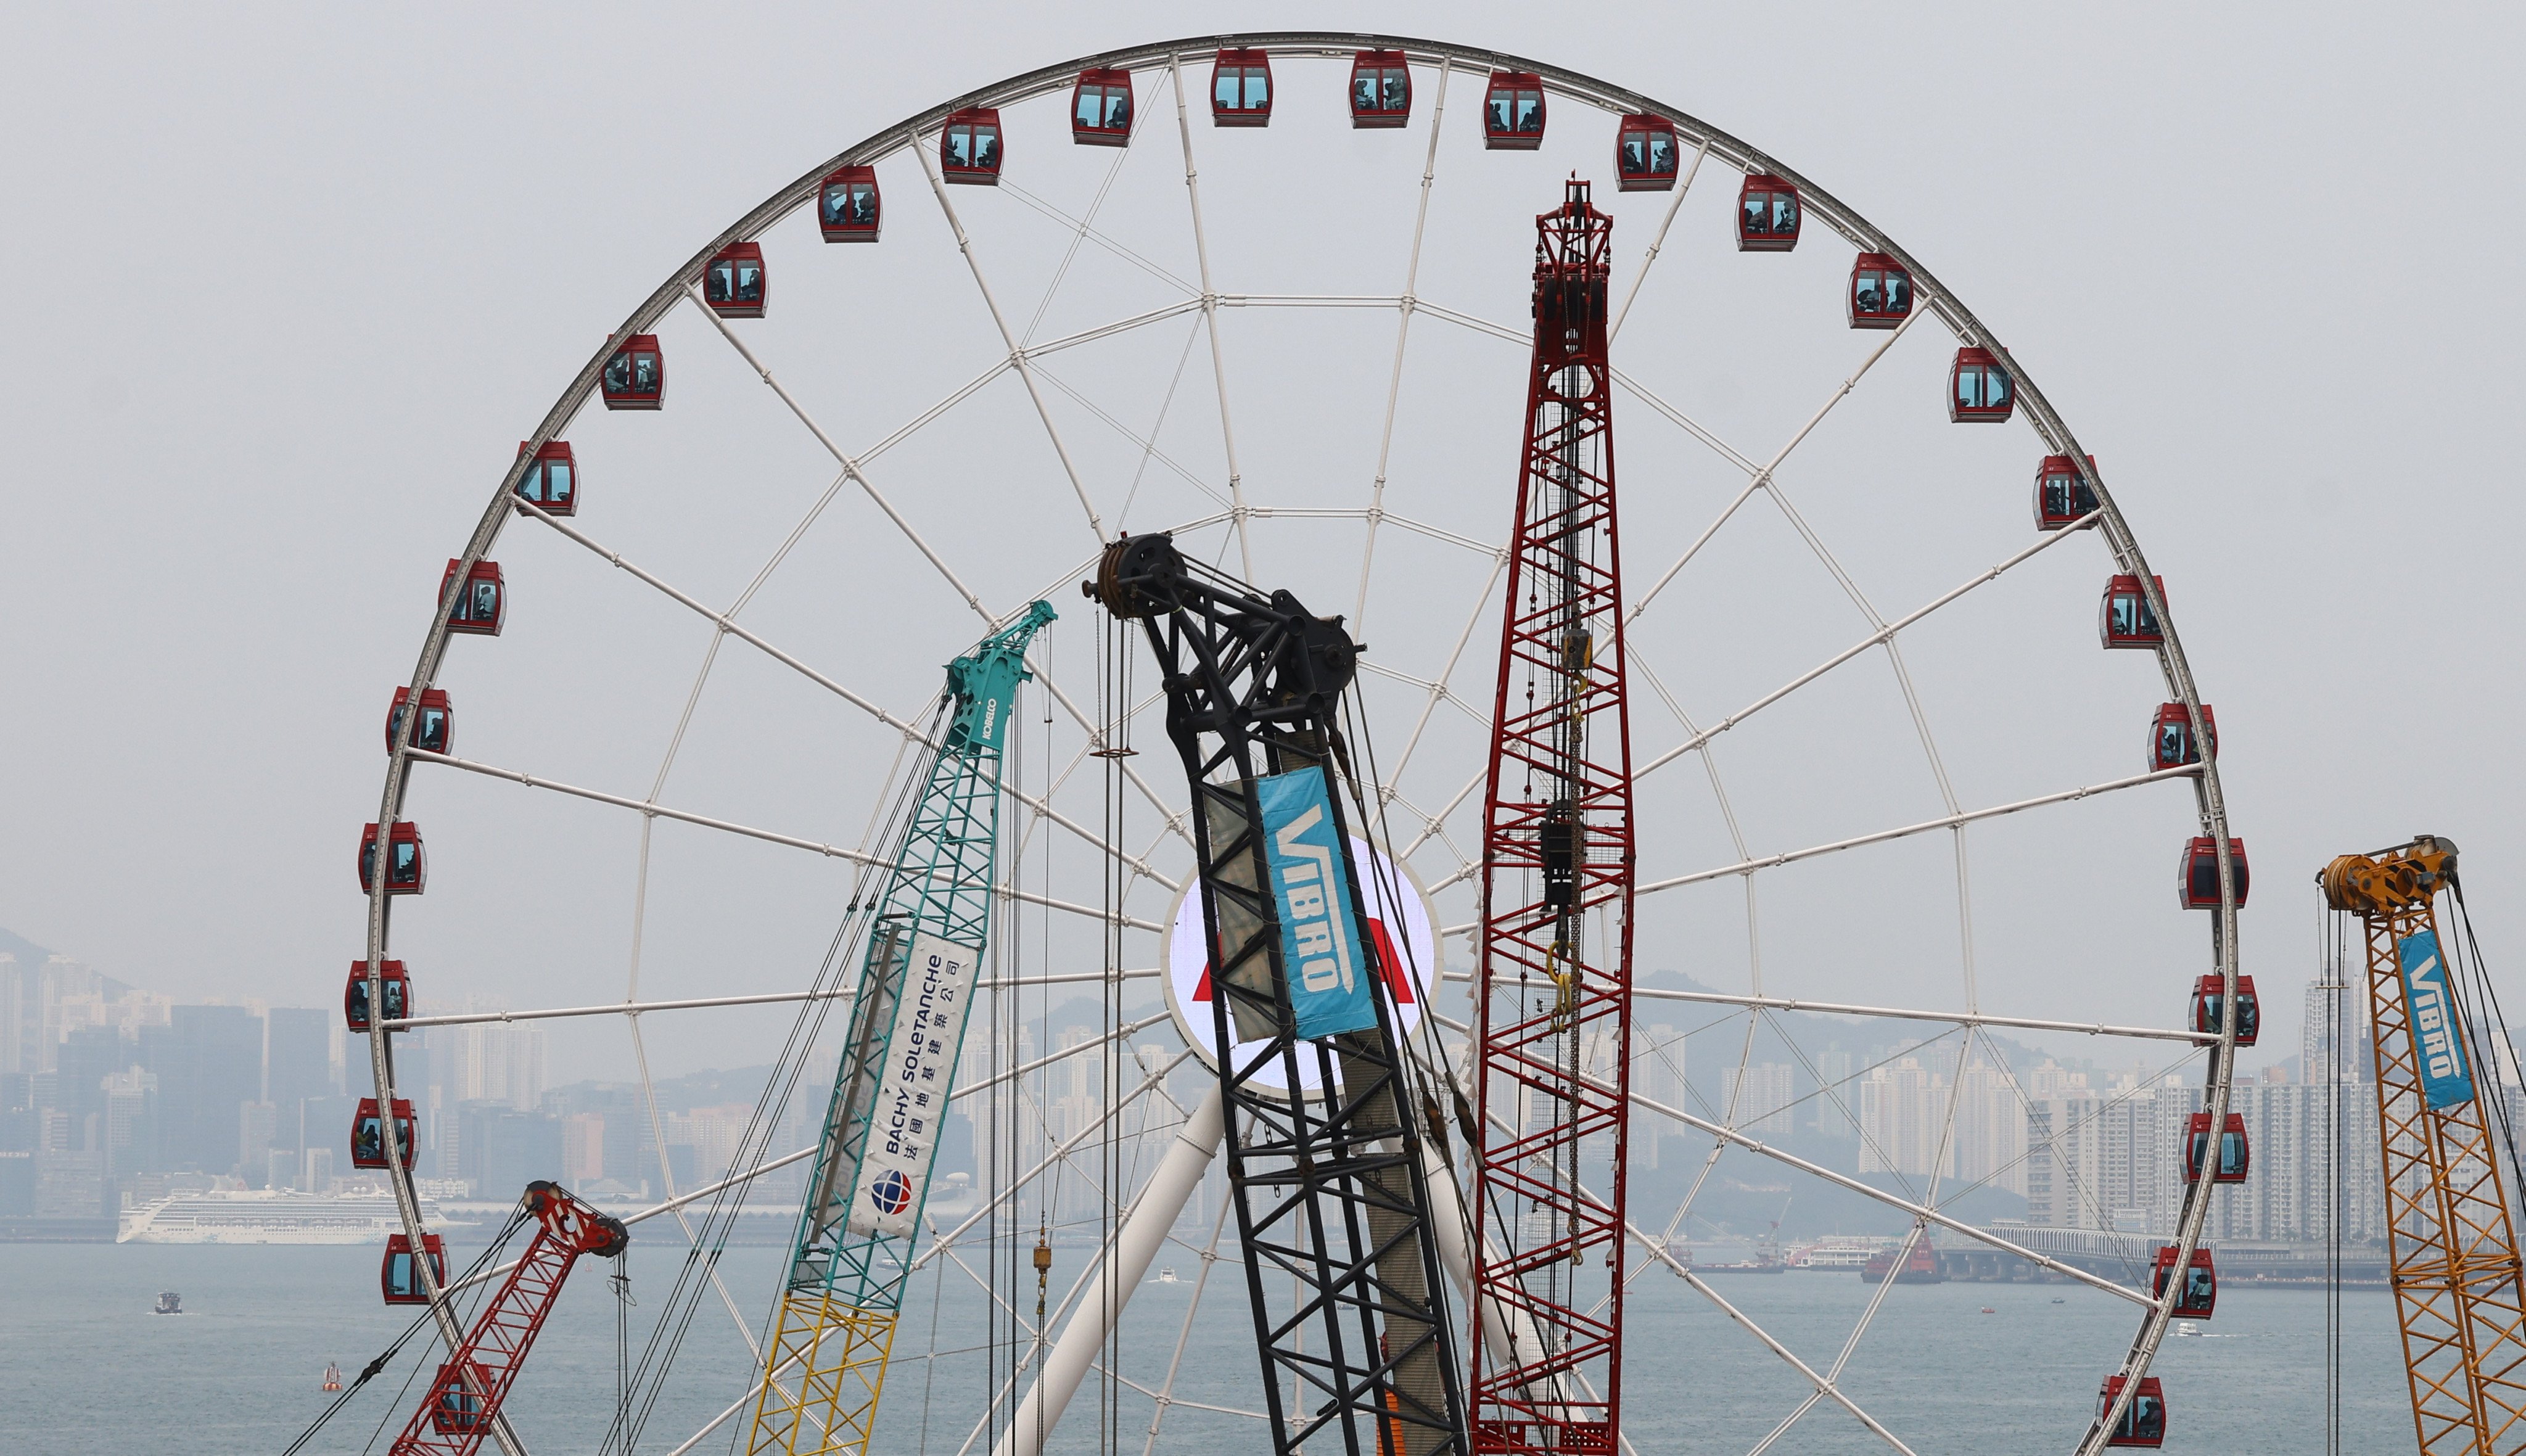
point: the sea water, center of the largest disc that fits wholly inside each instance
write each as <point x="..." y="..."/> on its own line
<point x="85" y="1368"/>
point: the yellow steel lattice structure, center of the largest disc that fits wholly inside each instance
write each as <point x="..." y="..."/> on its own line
<point x="2459" y="1292"/>
<point x="830" y="1363"/>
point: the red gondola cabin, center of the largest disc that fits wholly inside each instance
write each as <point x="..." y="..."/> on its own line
<point x="968" y="147"/>
<point x="1646" y="154"/>
<point x="2144" y="1422"/>
<point x="636" y="377"/>
<point x="2200" y="1292"/>
<point x="369" y="1138"/>
<point x="1881" y="292"/>
<point x="1100" y="109"/>
<point x="432" y="731"/>
<point x="2233" y="1155"/>
<point x="847" y="205"/>
<point x="1241" y="90"/>
<point x="2200" y="872"/>
<point x="456" y="1399"/>
<point x="2170" y="737"/>
<point x="732" y="281"/>
<point x="399" y="1278"/>
<point x="2124" y="617"/>
<point x="481" y="604"/>
<point x="550" y="480"/>
<point x="1979" y="390"/>
<point x="1767" y="215"/>
<point x="392" y="985"/>
<point x="1513" y="112"/>
<point x="1381" y="89"/>
<point x="2061" y="494"/>
<point x="407" y="868"/>
<point x="2208" y="1011"/>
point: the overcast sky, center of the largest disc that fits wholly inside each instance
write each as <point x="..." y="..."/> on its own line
<point x="291" y="279"/>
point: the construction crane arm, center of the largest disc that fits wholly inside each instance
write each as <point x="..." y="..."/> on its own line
<point x="1329" y="1188"/>
<point x="466" y="1395"/>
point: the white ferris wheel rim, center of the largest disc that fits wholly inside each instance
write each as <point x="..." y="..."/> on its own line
<point x="917" y="133"/>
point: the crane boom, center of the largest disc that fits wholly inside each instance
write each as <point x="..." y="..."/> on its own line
<point x="466" y="1395"/>
<point x="824" y="1366"/>
<point x="2458" y="1290"/>
<point x="1329" y="1188"/>
<point x="1552" y="1066"/>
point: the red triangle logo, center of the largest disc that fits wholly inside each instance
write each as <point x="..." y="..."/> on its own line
<point x="1396" y="982"/>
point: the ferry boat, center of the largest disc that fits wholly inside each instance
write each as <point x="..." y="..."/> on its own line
<point x="168" y="1303"/>
<point x="1842" y="1253"/>
<point x="1920" y="1269"/>
<point x="266" y="1217"/>
<point x="1167" y="1276"/>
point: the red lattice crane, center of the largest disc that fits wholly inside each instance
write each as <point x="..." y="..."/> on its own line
<point x="1553" y="1068"/>
<point x="466" y="1395"/>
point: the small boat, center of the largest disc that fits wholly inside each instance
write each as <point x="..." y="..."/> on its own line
<point x="332" y="1376"/>
<point x="2187" y="1327"/>
<point x="1986" y="1309"/>
<point x="2057" y="1299"/>
<point x="168" y="1303"/>
<point x="1167" y="1276"/>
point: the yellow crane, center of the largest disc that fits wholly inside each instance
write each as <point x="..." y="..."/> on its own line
<point x="2459" y="1292"/>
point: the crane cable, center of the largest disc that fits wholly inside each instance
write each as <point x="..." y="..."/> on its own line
<point x="647" y="1379"/>
<point x="386" y="1356"/>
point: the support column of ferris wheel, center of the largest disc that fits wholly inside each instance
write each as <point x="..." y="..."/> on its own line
<point x="1552" y="1057"/>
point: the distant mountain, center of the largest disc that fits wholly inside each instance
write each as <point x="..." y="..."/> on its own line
<point x="28" y="952"/>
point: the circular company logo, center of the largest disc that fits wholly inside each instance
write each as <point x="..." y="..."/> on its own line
<point x="892" y="1193"/>
<point x="1406" y="935"/>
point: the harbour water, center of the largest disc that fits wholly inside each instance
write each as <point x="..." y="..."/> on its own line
<point x="90" y="1369"/>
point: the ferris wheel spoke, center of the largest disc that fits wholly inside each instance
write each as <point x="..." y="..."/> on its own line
<point x="1147" y="444"/>
<point x="850" y="465"/>
<point x="1456" y="656"/>
<point x="1614" y="330"/>
<point x="1008" y="339"/>
<point x="1166" y="1398"/>
<point x="1758" y="477"/>
<point x="1884" y="634"/>
<point x="1061" y="1153"/>
<point x="1944" y="821"/>
<point x="653" y="808"/>
<point x="1084" y="229"/>
<point x="769" y="998"/>
<point x="1402" y="336"/>
<point x="1959" y="1018"/>
<point x="1916" y="1210"/>
<point x="1210" y="321"/>
<point x="1824" y="1384"/>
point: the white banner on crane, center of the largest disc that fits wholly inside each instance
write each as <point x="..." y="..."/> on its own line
<point x="910" y="1108"/>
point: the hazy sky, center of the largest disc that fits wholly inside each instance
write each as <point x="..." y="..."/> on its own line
<point x="291" y="279"/>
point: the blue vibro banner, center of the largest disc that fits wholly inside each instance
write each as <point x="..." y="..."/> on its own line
<point x="2444" y="1079"/>
<point x="1330" y="986"/>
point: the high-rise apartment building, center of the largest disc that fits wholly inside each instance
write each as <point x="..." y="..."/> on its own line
<point x="297" y="1066"/>
<point x="1759" y="1099"/>
<point x="1902" y="1111"/>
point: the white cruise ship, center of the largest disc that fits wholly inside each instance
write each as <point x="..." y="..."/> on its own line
<point x="269" y="1218"/>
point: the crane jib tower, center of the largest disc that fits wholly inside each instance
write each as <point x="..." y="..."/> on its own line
<point x="2459" y="1292"/>
<point x="1329" y="1188"/>
<point x="467" y="1392"/>
<point x="824" y="1366"/>
<point x="1553" y="1068"/>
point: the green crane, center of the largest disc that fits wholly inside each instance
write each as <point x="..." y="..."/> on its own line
<point x="826" y="1363"/>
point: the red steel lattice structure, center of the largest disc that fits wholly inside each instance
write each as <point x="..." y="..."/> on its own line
<point x="1556" y="860"/>
<point x="466" y="1395"/>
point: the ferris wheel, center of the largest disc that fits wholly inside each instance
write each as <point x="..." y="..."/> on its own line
<point x="1269" y="293"/>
